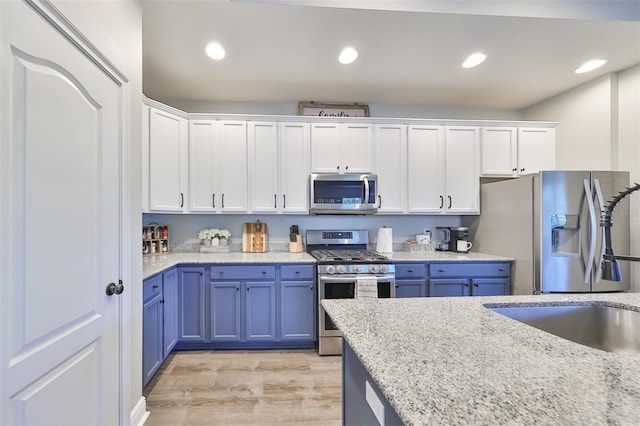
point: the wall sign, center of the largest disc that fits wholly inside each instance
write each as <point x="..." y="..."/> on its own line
<point x="332" y="110"/>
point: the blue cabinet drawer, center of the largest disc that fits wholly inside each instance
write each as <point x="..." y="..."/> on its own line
<point x="250" y="272"/>
<point x="151" y="287"/>
<point x="295" y="272"/>
<point x="411" y="270"/>
<point x="472" y="270"/>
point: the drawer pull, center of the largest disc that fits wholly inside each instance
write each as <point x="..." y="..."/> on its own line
<point x="154" y="287"/>
<point x="410" y="270"/>
<point x="502" y="270"/>
<point x="440" y="270"/>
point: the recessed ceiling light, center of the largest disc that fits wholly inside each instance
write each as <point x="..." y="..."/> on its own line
<point x="473" y="60"/>
<point x="348" y="55"/>
<point x="215" y="51"/>
<point x="590" y="65"/>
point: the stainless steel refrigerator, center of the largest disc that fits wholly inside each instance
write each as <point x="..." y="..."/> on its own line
<point x="550" y="223"/>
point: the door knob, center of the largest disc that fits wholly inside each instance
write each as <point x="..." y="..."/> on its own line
<point x="113" y="288"/>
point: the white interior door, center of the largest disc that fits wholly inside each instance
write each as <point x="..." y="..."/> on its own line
<point x="60" y="204"/>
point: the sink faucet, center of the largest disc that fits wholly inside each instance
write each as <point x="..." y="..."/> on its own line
<point x="610" y="268"/>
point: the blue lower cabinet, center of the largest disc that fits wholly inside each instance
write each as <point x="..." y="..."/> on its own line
<point x="449" y="287"/>
<point x="191" y="304"/>
<point x="152" y="327"/>
<point x="159" y="321"/>
<point x="225" y="311"/>
<point x="411" y="280"/>
<point x="469" y="279"/>
<point x="260" y="311"/>
<point x="169" y="311"/>
<point x="411" y="288"/>
<point x="297" y="313"/>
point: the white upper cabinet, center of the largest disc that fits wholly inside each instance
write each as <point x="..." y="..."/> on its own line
<point x="295" y="167"/>
<point x="425" y="167"/>
<point x="165" y="151"/>
<point x="278" y="167"/>
<point x="263" y="166"/>
<point x="536" y="149"/>
<point x="391" y="167"/>
<point x="341" y="148"/>
<point x="499" y="151"/>
<point x="443" y="169"/>
<point x="462" y="170"/>
<point x="218" y="166"/>
<point x="512" y="151"/>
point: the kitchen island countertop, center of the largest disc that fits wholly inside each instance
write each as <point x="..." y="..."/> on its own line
<point x="152" y="264"/>
<point x="451" y="361"/>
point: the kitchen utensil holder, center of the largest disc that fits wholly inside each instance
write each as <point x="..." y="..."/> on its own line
<point x="296" y="247"/>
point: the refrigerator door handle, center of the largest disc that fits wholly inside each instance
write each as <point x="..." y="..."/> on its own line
<point x="596" y="184"/>
<point x="592" y="237"/>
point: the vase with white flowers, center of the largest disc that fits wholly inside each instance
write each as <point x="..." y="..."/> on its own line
<point x="214" y="237"/>
<point x="223" y="236"/>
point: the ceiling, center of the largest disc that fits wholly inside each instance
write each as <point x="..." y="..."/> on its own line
<point x="286" y="52"/>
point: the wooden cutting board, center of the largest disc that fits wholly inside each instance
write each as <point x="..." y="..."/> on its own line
<point x="254" y="237"/>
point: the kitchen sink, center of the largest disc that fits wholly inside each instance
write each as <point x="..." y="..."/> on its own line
<point x="607" y="327"/>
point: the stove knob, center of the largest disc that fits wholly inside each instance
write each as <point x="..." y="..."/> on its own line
<point x="374" y="269"/>
<point x="383" y="269"/>
<point x="341" y="269"/>
<point x="331" y="269"/>
<point x="356" y="269"/>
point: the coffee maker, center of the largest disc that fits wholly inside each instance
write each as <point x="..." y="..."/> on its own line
<point x="459" y="233"/>
<point x="447" y="237"/>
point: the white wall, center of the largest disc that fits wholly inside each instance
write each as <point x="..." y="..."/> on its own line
<point x="599" y="128"/>
<point x="185" y="227"/>
<point x="583" y="134"/>
<point x="115" y="28"/>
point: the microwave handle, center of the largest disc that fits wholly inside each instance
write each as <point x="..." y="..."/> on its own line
<point x="366" y="190"/>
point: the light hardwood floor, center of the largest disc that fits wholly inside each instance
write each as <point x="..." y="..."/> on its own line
<point x="246" y="388"/>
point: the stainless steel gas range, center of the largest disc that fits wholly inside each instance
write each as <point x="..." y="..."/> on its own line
<point x="345" y="268"/>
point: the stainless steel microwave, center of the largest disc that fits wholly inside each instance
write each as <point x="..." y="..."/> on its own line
<point x="349" y="193"/>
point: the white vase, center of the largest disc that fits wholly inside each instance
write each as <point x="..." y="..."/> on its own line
<point x="223" y="241"/>
<point x="215" y="241"/>
<point x="206" y="242"/>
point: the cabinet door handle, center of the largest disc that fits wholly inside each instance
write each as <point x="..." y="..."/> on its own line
<point x="466" y="285"/>
<point x="475" y="285"/>
<point x="223" y="200"/>
<point x="338" y="167"/>
<point x="284" y="201"/>
<point x="441" y="201"/>
<point x="311" y="287"/>
<point x="275" y="201"/>
<point x="154" y="287"/>
<point x="181" y="200"/>
<point x="522" y="169"/>
<point x="450" y="201"/>
<point x="379" y="201"/>
<point x="213" y="200"/>
<point x="346" y="167"/>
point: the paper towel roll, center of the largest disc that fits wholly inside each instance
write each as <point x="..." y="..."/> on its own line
<point x="385" y="240"/>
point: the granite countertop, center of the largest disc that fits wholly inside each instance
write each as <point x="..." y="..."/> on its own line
<point x="445" y="256"/>
<point x="152" y="264"/>
<point x="452" y="361"/>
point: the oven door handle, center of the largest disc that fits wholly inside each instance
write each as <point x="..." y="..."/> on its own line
<point x="351" y="279"/>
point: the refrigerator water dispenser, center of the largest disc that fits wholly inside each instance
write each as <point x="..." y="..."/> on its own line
<point x="565" y="235"/>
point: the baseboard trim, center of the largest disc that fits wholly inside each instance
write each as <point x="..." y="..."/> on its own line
<point x="139" y="414"/>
